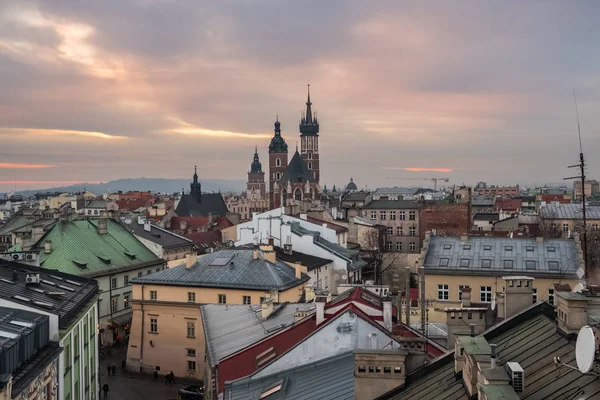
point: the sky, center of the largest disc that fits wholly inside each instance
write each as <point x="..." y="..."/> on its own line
<point x="475" y="90"/>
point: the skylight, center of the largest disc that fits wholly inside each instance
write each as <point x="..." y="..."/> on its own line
<point x="48" y="282"/>
<point x="220" y="261"/>
<point x="73" y="282"/>
<point x="22" y="298"/>
<point x="444" y="262"/>
<point x="10" y="335"/>
<point x="43" y="304"/>
<point x="272" y="390"/>
<point x="70" y="289"/>
<point x="21" y="323"/>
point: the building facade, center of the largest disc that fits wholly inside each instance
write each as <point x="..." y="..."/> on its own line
<point x="401" y="219"/>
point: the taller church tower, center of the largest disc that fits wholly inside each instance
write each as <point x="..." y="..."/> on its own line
<point x="309" y="139"/>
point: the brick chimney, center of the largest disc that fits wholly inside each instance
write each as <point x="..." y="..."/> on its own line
<point x="190" y="260"/>
<point x="266" y="308"/>
<point x="320" y="305"/>
<point x="518" y="294"/>
<point x="102" y="225"/>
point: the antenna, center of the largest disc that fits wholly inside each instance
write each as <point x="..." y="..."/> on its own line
<point x="585" y="349"/>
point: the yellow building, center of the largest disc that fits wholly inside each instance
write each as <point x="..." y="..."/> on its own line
<point x="166" y="330"/>
<point x="452" y="263"/>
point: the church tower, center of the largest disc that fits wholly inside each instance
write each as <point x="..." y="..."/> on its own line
<point x="255" y="187"/>
<point x="309" y="139"/>
<point x="278" y="161"/>
<point x="195" y="187"/>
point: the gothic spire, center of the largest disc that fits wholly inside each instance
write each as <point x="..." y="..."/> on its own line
<point x="308" y="108"/>
<point x="308" y="119"/>
<point x="195" y="174"/>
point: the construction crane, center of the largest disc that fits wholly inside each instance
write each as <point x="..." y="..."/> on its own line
<point x="435" y="180"/>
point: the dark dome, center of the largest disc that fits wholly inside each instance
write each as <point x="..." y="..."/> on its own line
<point x="351" y="185"/>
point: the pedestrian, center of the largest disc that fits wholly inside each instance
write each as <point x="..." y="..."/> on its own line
<point x="123" y="366"/>
<point x="155" y="375"/>
<point x="108" y="369"/>
<point x="114" y="369"/>
<point x="172" y="375"/>
<point x="105" y="389"/>
<point x="167" y="379"/>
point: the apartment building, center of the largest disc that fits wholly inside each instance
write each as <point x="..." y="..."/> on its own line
<point x="483" y="189"/>
<point x="567" y="218"/>
<point x="401" y="219"/>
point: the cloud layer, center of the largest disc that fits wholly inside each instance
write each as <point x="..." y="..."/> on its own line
<point x="472" y="91"/>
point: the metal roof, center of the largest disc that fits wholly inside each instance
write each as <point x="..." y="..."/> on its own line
<point x="157" y="235"/>
<point x="501" y="256"/>
<point x="530" y="338"/>
<point x="327" y="379"/>
<point x="248" y="327"/>
<point x="296" y="171"/>
<point x="210" y="202"/>
<point x="483" y="201"/>
<point x="78" y="249"/>
<point x="215" y="270"/>
<point x="569" y="211"/>
<point x="486" y="217"/>
<point x="308" y="261"/>
<point x="395" y="190"/>
<point x="392" y="205"/>
<point x="57" y="293"/>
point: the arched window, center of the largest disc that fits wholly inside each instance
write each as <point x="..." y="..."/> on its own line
<point x="310" y="155"/>
<point x="277" y="175"/>
<point x="298" y="194"/>
<point x="310" y="165"/>
<point x="278" y="162"/>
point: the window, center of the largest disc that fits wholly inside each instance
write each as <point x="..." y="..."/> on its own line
<point x="443" y="292"/>
<point x="274" y="389"/>
<point x="412" y="215"/>
<point x="222" y="299"/>
<point x="486" y="263"/>
<point x="153" y="295"/>
<point x="390" y="230"/>
<point x="398" y="246"/>
<point x="393" y="216"/>
<point x="464" y="262"/>
<point x="95" y="212"/>
<point x="278" y="162"/>
<point x="554" y="227"/>
<point x="139" y="274"/>
<point x="551" y="249"/>
<point x="508" y="264"/>
<point x="262" y="299"/>
<point x="553" y="265"/>
<point x="399" y="231"/>
<point x="595" y="227"/>
<point x="247" y="300"/>
<point x="148" y="272"/>
<point x="487" y="248"/>
<point x="460" y="288"/>
<point x="382" y="215"/>
<point x="466" y="247"/>
<point x="113" y="283"/>
<point x="485" y="294"/>
<point x="158" y="269"/>
<point x="191" y="365"/>
<point x="508" y="249"/>
<point x="191" y="352"/>
<point x="126" y="280"/>
<point x="530" y="264"/>
<point x="397" y="370"/>
<point x="115" y="304"/>
<point x="551" y="296"/>
<point x="277" y="175"/>
<point x="387" y="370"/>
<point x="402" y="215"/>
<point x="191" y="297"/>
<point x="310" y="165"/>
<point x="534" y="295"/>
<point x="373" y="214"/>
<point x="154" y="325"/>
<point x="388" y="245"/>
<point x="412" y="246"/>
<point x="191" y="329"/>
<point x="412" y="231"/>
<point x="447" y="246"/>
<point x="444" y="262"/>
<point x="565" y="227"/>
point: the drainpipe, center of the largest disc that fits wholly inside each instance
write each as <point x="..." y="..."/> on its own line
<point x="142" y="336"/>
<point x="407" y="296"/>
<point x="423" y="328"/>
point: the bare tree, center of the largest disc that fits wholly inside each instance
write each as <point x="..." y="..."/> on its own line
<point x="548" y="225"/>
<point x="384" y="263"/>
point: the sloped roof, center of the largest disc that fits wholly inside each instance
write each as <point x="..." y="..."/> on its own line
<point x="210" y="202"/>
<point x="392" y="205"/>
<point x="214" y="270"/>
<point x="132" y="205"/>
<point x="78" y="249"/>
<point x="356" y="196"/>
<point x="309" y="261"/>
<point x="297" y="171"/>
<point x="157" y="235"/>
<point x="569" y="211"/>
<point x="486" y="217"/>
<point x="507" y="204"/>
<point x="330" y="378"/>
<point x="337" y="228"/>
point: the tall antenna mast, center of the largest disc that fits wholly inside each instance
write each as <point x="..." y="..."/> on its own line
<point x="581" y="166"/>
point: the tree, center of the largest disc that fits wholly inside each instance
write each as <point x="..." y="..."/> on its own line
<point x="384" y="263"/>
<point x="547" y="225"/>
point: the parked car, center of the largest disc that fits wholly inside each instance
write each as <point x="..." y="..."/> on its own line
<point x="193" y="392"/>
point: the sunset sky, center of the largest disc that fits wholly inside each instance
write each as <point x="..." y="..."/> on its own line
<point x="470" y="90"/>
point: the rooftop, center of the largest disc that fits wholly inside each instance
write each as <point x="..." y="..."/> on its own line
<point x="210" y="202"/>
<point x="395" y="191"/>
<point x="216" y="270"/>
<point x="296" y="171"/>
<point x="483" y="201"/>
<point x="337" y="228"/>
<point x="96" y="203"/>
<point x="308" y="261"/>
<point x="569" y="211"/>
<point x="57" y="293"/>
<point x="78" y="249"/>
<point x="157" y="235"/>
<point x="486" y="217"/>
<point x="392" y="204"/>
<point x="501" y="255"/>
<point x="218" y="319"/>
<point x="356" y="196"/>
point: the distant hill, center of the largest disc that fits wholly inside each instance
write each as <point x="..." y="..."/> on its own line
<point x="147" y="184"/>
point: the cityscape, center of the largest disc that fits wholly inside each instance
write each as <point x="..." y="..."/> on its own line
<point x="265" y="213"/>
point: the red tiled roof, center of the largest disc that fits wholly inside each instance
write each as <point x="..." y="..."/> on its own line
<point x="360" y="295"/>
<point x="507" y="204"/>
<point x="132" y="205"/>
<point x="195" y="223"/>
<point x="561" y="198"/>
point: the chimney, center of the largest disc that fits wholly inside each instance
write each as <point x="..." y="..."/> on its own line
<point x="287" y="249"/>
<point x="464" y="238"/>
<point x="15" y="276"/>
<point x="147" y="226"/>
<point x="466" y="297"/>
<point x="387" y="314"/>
<point x="212" y="218"/>
<point x="269" y="255"/>
<point x="518" y="294"/>
<point x="304" y="216"/>
<point x="266" y="308"/>
<point x="493" y="356"/>
<point x="539" y="239"/>
<point x="422" y="298"/>
<point x="298" y="267"/>
<point x="271" y="242"/>
<point x="407" y="296"/>
<point x="183" y="225"/>
<point x="190" y="260"/>
<point x="320" y="304"/>
<point x="48" y="247"/>
<point x="103" y="225"/>
<point x="255" y="252"/>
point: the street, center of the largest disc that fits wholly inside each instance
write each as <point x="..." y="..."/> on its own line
<point x="134" y="386"/>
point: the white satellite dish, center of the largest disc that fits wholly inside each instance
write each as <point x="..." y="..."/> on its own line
<point x="585" y="349"/>
<point x="493" y="306"/>
<point x="578" y="288"/>
<point x="344" y="277"/>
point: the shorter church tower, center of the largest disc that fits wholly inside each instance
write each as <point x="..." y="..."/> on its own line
<point x="278" y="161"/>
<point x="195" y="187"/>
<point x="256" y="187"/>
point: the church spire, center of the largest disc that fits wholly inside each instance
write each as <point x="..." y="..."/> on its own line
<point x="195" y="174"/>
<point x="309" y="126"/>
<point x="308" y="115"/>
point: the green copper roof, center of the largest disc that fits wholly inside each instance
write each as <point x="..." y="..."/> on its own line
<point x="78" y="249"/>
<point x="475" y="345"/>
<point x="499" y="392"/>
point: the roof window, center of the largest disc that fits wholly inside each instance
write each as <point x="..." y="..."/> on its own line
<point x="530" y="264"/>
<point x="277" y="387"/>
<point x="467" y="247"/>
<point x="487" y="247"/>
<point x="447" y="246"/>
<point x="444" y="262"/>
<point x="464" y="262"/>
<point x="220" y="261"/>
<point x="508" y="264"/>
<point x="486" y="263"/>
<point x="553" y="265"/>
<point x="551" y="249"/>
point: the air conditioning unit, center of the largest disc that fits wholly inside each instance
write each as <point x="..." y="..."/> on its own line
<point x="517" y="376"/>
<point x="17" y="256"/>
<point x="32" y="278"/>
<point x="31" y="256"/>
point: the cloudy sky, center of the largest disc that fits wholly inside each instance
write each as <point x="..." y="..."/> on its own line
<point x="100" y="90"/>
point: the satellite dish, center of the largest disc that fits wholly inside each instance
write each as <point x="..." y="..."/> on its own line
<point x="578" y="288"/>
<point x="344" y="277"/>
<point x="585" y="349"/>
<point x="493" y="306"/>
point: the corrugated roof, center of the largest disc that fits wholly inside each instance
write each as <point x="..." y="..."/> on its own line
<point x="507" y="256"/>
<point x="392" y="205"/>
<point x="223" y="341"/>
<point x="78" y="248"/>
<point x="569" y="211"/>
<point x="214" y="270"/>
<point x="327" y="379"/>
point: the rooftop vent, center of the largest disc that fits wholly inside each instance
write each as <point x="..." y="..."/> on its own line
<point x="517" y="376"/>
<point x="32" y="279"/>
